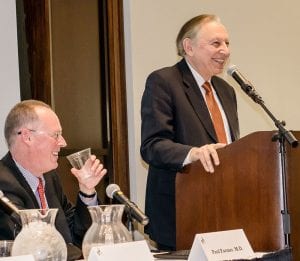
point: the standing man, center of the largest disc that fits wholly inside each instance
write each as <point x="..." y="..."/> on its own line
<point x="187" y="114"/>
<point x="34" y="137"/>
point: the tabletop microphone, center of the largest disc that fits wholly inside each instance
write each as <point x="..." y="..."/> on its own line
<point x="10" y="208"/>
<point x="247" y="86"/>
<point x="113" y="191"/>
<point x="7" y="204"/>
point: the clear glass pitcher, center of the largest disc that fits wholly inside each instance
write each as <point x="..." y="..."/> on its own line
<point x="106" y="228"/>
<point x="39" y="236"/>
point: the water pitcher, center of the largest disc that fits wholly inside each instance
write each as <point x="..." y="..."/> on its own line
<point x="106" y="228"/>
<point x="39" y="236"/>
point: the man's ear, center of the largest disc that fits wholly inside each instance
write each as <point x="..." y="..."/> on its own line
<point x="188" y="46"/>
<point x="26" y="135"/>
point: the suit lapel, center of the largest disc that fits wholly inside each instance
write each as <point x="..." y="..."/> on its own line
<point x="196" y="99"/>
<point x="9" y="162"/>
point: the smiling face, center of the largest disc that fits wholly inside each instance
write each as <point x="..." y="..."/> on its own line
<point x="44" y="142"/>
<point x="209" y="51"/>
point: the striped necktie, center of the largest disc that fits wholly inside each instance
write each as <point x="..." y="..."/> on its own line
<point x="42" y="196"/>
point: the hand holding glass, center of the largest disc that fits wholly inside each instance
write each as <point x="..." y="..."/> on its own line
<point x="79" y="158"/>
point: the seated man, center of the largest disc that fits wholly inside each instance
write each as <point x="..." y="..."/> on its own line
<point x="34" y="137"/>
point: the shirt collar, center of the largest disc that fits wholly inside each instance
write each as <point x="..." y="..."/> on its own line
<point x="31" y="179"/>
<point x="199" y="79"/>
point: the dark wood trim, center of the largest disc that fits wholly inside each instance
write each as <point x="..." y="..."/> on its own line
<point x="39" y="68"/>
<point x="38" y="39"/>
<point x="118" y="94"/>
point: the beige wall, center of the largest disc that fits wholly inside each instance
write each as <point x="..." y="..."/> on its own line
<point x="264" y="44"/>
<point x="9" y="68"/>
<point x="264" y="40"/>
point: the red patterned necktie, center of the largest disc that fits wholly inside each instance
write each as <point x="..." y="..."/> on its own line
<point x="41" y="192"/>
<point x="215" y="113"/>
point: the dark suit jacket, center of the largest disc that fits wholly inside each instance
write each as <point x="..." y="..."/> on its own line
<point x="71" y="221"/>
<point x="174" y="119"/>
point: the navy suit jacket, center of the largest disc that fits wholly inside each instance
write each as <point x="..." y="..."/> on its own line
<point x="71" y="221"/>
<point x="175" y="118"/>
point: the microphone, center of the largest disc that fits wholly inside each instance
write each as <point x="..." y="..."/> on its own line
<point x="113" y="191"/>
<point x="247" y="87"/>
<point x="7" y="204"/>
<point x="10" y="208"/>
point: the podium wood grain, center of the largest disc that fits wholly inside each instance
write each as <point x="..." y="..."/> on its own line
<point x="244" y="192"/>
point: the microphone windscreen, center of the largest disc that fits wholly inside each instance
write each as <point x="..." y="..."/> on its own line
<point x="111" y="189"/>
<point x="231" y="69"/>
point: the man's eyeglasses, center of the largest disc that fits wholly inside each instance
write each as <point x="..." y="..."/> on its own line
<point x="56" y="135"/>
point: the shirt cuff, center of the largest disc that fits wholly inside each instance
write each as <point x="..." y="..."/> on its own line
<point x="187" y="159"/>
<point x="89" y="201"/>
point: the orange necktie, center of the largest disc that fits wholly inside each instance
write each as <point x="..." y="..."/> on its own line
<point x="41" y="192"/>
<point x="215" y="113"/>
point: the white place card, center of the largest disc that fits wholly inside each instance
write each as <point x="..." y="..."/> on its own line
<point x="137" y="250"/>
<point x="18" y="258"/>
<point x="223" y="245"/>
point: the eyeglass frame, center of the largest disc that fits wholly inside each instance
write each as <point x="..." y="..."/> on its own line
<point x="56" y="135"/>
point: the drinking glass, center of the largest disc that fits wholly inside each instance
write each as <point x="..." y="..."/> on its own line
<point x="5" y="247"/>
<point x="78" y="158"/>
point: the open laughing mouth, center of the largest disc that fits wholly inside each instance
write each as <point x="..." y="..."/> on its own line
<point x="219" y="61"/>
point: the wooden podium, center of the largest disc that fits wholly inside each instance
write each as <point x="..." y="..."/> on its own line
<point x="244" y="192"/>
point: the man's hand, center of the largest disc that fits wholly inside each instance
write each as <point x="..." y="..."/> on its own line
<point x="89" y="175"/>
<point x="208" y="155"/>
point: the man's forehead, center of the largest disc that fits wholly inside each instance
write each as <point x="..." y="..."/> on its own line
<point x="48" y="117"/>
<point x="213" y="29"/>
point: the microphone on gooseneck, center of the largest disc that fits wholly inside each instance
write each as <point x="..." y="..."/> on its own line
<point x="9" y="208"/>
<point x="247" y="86"/>
<point x="249" y="89"/>
<point x="113" y="191"/>
<point x="7" y="205"/>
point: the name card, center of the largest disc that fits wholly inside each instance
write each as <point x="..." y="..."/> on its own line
<point x="223" y="245"/>
<point x="137" y="250"/>
<point x="18" y="258"/>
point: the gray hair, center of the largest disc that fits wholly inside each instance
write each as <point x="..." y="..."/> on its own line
<point x="22" y="114"/>
<point x="191" y="28"/>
